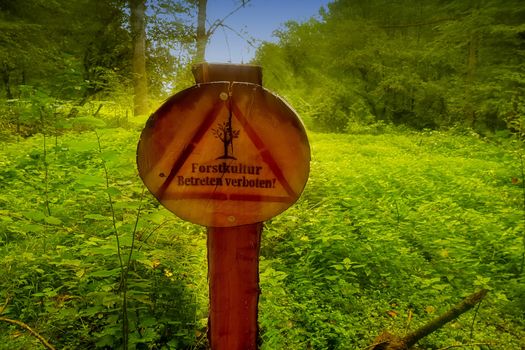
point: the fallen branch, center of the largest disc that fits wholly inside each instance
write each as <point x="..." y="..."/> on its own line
<point x="387" y="341"/>
<point x="464" y="345"/>
<point x="30" y="330"/>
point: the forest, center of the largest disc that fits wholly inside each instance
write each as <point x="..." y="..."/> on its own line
<point x="415" y="114"/>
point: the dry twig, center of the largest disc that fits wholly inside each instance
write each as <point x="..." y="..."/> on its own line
<point x="30" y="330"/>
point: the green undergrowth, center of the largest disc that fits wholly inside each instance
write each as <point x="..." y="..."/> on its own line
<point x="391" y="231"/>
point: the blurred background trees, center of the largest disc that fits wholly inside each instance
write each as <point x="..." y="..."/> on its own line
<point x="421" y="64"/>
<point x="426" y="64"/>
<point x="84" y="48"/>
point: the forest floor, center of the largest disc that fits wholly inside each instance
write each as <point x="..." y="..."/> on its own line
<point x="391" y="231"/>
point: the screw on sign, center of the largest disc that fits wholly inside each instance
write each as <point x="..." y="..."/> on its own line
<point x="227" y="154"/>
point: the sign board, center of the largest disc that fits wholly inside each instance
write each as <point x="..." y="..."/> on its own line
<point x="224" y="154"/>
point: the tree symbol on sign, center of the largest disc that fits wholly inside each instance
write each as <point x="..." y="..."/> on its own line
<point x="226" y="134"/>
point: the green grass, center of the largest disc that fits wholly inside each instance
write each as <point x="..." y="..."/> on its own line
<point x="391" y="231"/>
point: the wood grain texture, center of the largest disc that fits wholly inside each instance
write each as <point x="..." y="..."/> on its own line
<point x="233" y="273"/>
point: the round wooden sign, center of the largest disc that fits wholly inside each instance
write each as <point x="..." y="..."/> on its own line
<point x="224" y="154"/>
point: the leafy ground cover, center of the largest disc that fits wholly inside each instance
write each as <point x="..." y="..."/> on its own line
<point x="392" y="230"/>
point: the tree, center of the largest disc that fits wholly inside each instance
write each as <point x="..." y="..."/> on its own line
<point x="72" y="50"/>
<point x="203" y="35"/>
<point x="425" y="64"/>
<point x="226" y="134"/>
<point x="26" y="42"/>
<point x="138" y="35"/>
<point x="102" y="47"/>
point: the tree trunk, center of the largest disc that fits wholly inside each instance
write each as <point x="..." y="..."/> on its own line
<point x="472" y="64"/>
<point x="6" y="79"/>
<point x="202" y="36"/>
<point x="138" y="37"/>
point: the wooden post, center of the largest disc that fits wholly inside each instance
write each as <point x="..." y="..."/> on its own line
<point x="226" y="154"/>
<point x="233" y="252"/>
<point x="242" y="73"/>
<point x="233" y="272"/>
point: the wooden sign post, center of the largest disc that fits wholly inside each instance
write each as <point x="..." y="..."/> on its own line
<point x="227" y="154"/>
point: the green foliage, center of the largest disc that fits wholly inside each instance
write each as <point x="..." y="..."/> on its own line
<point x="62" y="269"/>
<point x="51" y="45"/>
<point x="424" y="64"/>
<point x="391" y="231"/>
<point x="80" y="52"/>
<point x="393" y="228"/>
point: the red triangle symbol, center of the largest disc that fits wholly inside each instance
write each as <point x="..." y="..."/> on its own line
<point x="221" y="154"/>
<point x="226" y="160"/>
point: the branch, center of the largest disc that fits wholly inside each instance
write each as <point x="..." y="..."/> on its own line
<point x="387" y="341"/>
<point x="30" y="330"/>
<point x="4" y="306"/>
<point x="220" y="22"/>
<point x="456" y="311"/>
<point x="248" y="41"/>
<point x="464" y="345"/>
